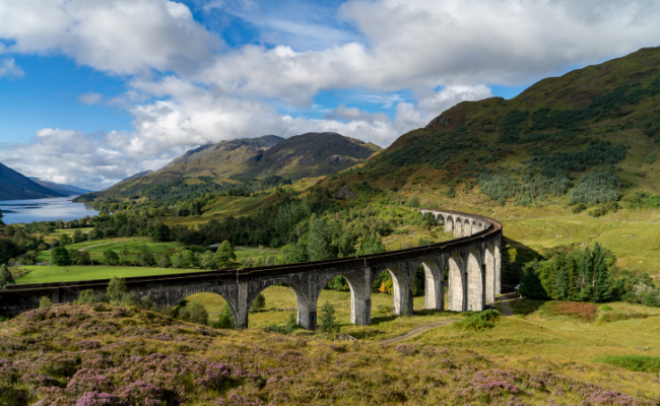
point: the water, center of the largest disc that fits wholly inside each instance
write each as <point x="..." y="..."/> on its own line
<point x="57" y="208"/>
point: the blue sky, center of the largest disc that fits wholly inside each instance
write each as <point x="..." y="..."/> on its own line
<point x="92" y="92"/>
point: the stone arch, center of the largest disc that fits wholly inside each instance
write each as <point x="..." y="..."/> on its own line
<point x="434" y="292"/>
<point x="456" y="283"/>
<point x="306" y="312"/>
<point x="402" y="300"/>
<point x="449" y="224"/>
<point x="498" y="266"/>
<point x="489" y="261"/>
<point x="439" y="218"/>
<point x="360" y="299"/>
<point x="475" y="279"/>
<point x="460" y="228"/>
<point x="474" y="228"/>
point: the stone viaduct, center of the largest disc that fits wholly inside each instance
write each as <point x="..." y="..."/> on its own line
<point x="469" y="264"/>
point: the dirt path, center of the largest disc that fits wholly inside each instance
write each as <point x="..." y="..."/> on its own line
<point x="504" y="303"/>
<point x="417" y="330"/>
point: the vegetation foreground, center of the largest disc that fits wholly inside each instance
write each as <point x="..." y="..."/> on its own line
<point x="105" y="354"/>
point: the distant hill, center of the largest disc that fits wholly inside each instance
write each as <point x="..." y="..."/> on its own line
<point x="138" y="175"/>
<point x="66" y="190"/>
<point x="311" y="154"/>
<point x="589" y="137"/>
<point x="14" y="186"/>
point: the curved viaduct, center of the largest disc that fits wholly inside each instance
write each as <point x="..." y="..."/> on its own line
<point x="472" y="260"/>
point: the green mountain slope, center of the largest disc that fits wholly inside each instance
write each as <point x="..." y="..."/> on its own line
<point x="14" y="186"/>
<point x="311" y="154"/>
<point x="584" y="138"/>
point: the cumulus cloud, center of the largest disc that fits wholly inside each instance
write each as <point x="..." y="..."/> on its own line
<point x="116" y="36"/>
<point x="9" y="68"/>
<point x="90" y="98"/>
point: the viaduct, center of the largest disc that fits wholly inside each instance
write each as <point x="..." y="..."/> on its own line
<point x="472" y="259"/>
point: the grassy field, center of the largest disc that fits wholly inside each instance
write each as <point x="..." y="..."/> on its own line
<point x="97" y="247"/>
<point x="46" y="274"/>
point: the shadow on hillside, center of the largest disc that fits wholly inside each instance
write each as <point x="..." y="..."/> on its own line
<point x="514" y="257"/>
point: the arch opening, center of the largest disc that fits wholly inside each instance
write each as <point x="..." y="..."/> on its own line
<point x="279" y="307"/>
<point x="392" y="281"/>
<point x="338" y="290"/>
<point x="429" y="282"/>
<point x="220" y="312"/>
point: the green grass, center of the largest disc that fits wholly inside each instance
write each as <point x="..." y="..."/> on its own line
<point x="97" y="247"/>
<point x="52" y="273"/>
<point x="636" y="363"/>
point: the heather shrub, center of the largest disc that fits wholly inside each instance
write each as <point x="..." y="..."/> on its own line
<point x="194" y="312"/>
<point x="88" y="296"/>
<point x="479" y="321"/>
<point x="11" y="396"/>
<point x="291" y="324"/>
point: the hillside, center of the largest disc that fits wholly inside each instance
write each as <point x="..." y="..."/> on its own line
<point x="66" y="190"/>
<point x="14" y="186"/>
<point x="311" y="154"/>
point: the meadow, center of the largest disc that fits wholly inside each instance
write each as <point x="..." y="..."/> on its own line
<point x="71" y="273"/>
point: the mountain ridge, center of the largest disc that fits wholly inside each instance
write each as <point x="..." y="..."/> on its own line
<point x="15" y="186"/>
<point x="65" y="190"/>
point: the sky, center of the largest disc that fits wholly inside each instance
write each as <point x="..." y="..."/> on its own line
<point x="92" y="92"/>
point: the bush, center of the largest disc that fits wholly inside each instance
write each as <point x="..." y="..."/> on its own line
<point x="60" y="256"/>
<point x="291" y="324"/>
<point x="116" y="289"/>
<point x="259" y="302"/>
<point x="132" y="299"/>
<point x="194" y="312"/>
<point x="328" y="323"/>
<point x="479" y="321"/>
<point x="45" y="303"/>
<point x="578" y="208"/>
<point x="164" y="262"/>
<point x="225" y="318"/>
<point x="636" y="363"/>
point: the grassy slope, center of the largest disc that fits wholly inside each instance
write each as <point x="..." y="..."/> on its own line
<point x="46" y="274"/>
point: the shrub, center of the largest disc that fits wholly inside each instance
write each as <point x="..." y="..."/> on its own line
<point x="132" y="299"/>
<point x="5" y="276"/>
<point x="164" y="262"/>
<point x="87" y="297"/>
<point x="116" y="289"/>
<point x="194" y="312"/>
<point x="225" y="318"/>
<point x="60" y="256"/>
<point x="578" y="208"/>
<point x="479" y="321"/>
<point x="110" y="257"/>
<point x="291" y="324"/>
<point x="606" y="308"/>
<point x="328" y="323"/>
<point x="636" y="363"/>
<point x="259" y="302"/>
<point x="45" y="303"/>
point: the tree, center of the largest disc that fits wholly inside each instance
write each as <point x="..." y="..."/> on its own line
<point x="371" y="244"/>
<point x="224" y="255"/>
<point x="116" y="289"/>
<point x="45" y="302"/>
<point x="225" y="318"/>
<point x="164" y="262"/>
<point x="60" y="256"/>
<point x="318" y="246"/>
<point x="208" y="260"/>
<point x="328" y="323"/>
<point x="259" y="302"/>
<point x="585" y="277"/>
<point x="78" y="237"/>
<point x="6" y="277"/>
<point x="601" y="285"/>
<point x="531" y="286"/>
<point x="160" y="233"/>
<point x="189" y="259"/>
<point x="110" y="257"/>
<point x="65" y="240"/>
<point x="194" y="312"/>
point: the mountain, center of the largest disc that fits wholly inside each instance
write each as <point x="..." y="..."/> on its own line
<point x="66" y="190"/>
<point x="587" y="138"/>
<point x="14" y="186"/>
<point x="310" y="154"/>
<point x="138" y="175"/>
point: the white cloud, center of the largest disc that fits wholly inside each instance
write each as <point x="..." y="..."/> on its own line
<point x="9" y="68"/>
<point x="116" y="36"/>
<point x="90" y="98"/>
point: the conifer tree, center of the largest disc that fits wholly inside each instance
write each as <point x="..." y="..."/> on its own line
<point x="601" y="277"/>
<point x="585" y="275"/>
<point x="573" y="293"/>
<point x="531" y="286"/>
<point x="318" y="248"/>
